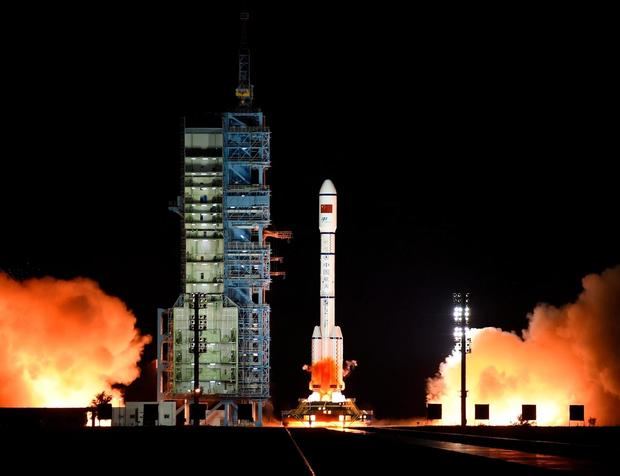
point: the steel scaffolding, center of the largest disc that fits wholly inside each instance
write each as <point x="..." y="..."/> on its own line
<point x="247" y="256"/>
<point x="224" y="212"/>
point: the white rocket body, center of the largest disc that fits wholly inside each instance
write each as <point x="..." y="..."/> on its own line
<point x="327" y="338"/>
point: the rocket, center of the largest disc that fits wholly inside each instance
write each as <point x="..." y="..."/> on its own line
<point x="327" y="338"/>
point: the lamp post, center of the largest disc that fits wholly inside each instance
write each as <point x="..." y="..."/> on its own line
<point x="197" y="390"/>
<point x="463" y="342"/>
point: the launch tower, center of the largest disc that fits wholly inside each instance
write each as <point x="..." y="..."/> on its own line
<point x="213" y="344"/>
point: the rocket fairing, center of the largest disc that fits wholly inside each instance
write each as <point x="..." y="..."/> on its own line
<point x="327" y="339"/>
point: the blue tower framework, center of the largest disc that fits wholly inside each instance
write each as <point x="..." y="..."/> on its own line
<point x="247" y="256"/>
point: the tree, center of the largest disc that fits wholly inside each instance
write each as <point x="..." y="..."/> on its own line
<point x="99" y="404"/>
<point x="522" y="421"/>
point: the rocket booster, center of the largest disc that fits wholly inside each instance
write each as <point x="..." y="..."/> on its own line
<point x="327" y="339"/>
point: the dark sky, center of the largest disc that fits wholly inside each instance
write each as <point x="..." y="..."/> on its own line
<point x="470" y="152"/>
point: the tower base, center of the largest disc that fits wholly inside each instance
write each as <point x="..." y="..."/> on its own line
<point x="309" y="413"/>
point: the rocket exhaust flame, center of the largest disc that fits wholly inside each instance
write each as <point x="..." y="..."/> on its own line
<point x="324" y="373"/>
<point x="566" y="356"/>
<point x="63" y="342"/>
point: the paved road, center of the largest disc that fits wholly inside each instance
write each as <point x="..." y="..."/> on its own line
<point x="400" y="452"/>
<point x="276" y="451"/>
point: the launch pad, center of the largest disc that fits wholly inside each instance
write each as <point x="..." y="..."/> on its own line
<point x="344" y="413"/>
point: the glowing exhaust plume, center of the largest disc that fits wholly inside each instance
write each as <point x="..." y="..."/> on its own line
<point x="567" y="356"/>
<point x="324" y="372"/>
<point x="63" y="342"/>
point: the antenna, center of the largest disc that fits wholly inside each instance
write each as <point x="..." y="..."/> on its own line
<point x="245" y="90"/>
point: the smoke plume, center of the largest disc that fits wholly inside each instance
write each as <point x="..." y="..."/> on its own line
<point x="349" y="365"/>
<point x="63" y="342"/>
<point x="567" y="356"/>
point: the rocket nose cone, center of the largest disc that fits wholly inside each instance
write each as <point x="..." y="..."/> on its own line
<point x="327" y="188"/>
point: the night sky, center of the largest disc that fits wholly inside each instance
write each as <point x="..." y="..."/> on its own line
<point x="468" y="154"/>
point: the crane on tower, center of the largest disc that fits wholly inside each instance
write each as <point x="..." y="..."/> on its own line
<point x="245" y="90"/>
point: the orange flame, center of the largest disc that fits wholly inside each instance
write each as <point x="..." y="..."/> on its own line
<point x="324" y="373"/>
<point x="63" y="342"/>
<point x="568" y="355"/>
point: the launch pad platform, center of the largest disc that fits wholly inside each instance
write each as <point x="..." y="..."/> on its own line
<point x="345" y="413"/>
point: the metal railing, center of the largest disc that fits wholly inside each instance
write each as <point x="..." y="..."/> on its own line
<point x="246" y="245"/>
